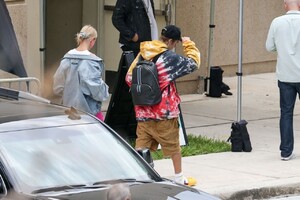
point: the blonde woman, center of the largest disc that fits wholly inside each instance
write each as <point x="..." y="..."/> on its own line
<point x="78" y="79"/>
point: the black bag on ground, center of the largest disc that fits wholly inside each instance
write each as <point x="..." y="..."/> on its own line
<point x="145" y="90"/>
<point x="239" y="138"/>
<point x="216" y="77"/>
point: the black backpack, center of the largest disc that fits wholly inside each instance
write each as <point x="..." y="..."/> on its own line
<point x="239" y="137"/>
<point x="145" y="90"/>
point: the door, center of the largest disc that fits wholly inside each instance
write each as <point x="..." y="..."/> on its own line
<point x="63" y="21"/>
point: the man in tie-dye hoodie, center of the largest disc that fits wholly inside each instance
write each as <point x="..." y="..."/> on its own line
<point x="158" y="124"/>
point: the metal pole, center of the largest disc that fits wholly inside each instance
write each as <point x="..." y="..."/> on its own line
<point x="211" y="39"/>
<point x="168" y="13"/>
<point x="239" y="73"/>
<point x="42" y="39"/>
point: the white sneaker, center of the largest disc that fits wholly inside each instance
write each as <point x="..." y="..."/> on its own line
<point x="288" y="158"/>
<point x="185" y="181"/>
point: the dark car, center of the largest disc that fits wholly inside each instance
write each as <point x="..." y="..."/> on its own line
<point x="58" y="153"/>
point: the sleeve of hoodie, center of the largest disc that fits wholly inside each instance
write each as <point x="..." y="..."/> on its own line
<point x="120" y="13"/>
<point x="183" y="65"/>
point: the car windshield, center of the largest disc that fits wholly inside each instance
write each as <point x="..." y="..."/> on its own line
<point x="68" y="155"/>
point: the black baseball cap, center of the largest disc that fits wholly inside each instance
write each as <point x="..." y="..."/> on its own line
<point x="171" y="32"/>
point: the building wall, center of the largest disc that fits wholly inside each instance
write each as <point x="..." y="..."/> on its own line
<point x="193" y="16"/>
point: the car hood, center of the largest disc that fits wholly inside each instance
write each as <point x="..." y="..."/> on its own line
<point x="150" y="191"/>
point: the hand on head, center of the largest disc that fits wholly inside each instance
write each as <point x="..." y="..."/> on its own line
<point x="184" y="39"/>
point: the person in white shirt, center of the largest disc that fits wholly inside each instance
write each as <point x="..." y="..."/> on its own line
<point x="284" y="38"/>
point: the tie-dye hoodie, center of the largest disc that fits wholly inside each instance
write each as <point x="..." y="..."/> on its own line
<point x="170" y="66"/>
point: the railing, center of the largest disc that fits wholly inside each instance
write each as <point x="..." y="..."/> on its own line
<point x="27" y="84"/>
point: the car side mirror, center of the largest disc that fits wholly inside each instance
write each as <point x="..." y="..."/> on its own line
<point x="3" y="189"/>
<point x="145" y="153"/>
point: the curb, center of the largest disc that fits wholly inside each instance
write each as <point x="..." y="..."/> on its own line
<point x="262" y="193"/>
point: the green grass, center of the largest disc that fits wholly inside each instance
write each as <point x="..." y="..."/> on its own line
<point x="198" y="145"/>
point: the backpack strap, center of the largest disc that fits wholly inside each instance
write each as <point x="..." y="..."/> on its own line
<point x="140" y="58"/>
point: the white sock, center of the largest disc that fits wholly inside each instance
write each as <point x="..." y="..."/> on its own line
<point x="179" y="178"/>
<point x="179" y="174"/>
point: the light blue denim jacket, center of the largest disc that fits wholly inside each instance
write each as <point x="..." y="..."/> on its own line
<point x="78" y="80"/>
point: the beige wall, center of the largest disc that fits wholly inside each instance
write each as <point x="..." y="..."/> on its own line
<point x="195" y="19"/>
<point x="33" y="43"/>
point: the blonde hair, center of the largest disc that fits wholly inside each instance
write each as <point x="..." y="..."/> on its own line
<point x="119" y="191"/>
<point x="87" y="32"/>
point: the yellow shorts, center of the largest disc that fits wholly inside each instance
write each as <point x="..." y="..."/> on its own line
<point x="164" y="132"/>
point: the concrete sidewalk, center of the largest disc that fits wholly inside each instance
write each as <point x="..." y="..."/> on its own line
<point x="242" y="175"/>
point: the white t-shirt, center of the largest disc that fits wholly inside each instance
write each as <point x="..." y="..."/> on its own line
<point x="76" y="52"/>
<point x="153" y="25"/>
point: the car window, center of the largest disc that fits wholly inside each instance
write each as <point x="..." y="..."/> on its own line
<point x="68" y="155"/>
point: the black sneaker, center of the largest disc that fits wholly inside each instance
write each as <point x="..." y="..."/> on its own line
<point x="288" y="157"/>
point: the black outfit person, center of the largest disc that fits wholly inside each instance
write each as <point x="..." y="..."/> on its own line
<point x="130" y="17"/>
